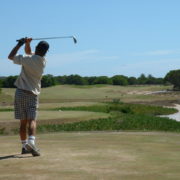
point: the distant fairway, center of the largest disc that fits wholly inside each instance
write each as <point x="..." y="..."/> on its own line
<point x="94" y="156"/>
<point x="96" y="93"/>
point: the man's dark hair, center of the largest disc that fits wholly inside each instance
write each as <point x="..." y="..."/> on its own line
<point x="42" y="48"/>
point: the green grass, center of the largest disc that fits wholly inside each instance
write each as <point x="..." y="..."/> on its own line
<point x="94" y="108"/>
<point x="6" y="109"/>
<point x="147" y="123"/>
<point x="2" y="131"/>
<point x="123" y="117"/>
<point x="91" y="125"/>
<point x="119" y="116"/>
<point x="124" y="108"/>
<point x="123" y="122"/>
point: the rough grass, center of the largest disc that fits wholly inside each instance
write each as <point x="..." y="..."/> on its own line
<point x="110" y="116"/>
<point x="147" y="123"/>
<point x="124" y="122"/>
<point x="125" y="108"/>
<point x="123" y="117"/>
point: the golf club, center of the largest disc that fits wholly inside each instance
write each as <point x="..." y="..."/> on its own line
<point x="61" y="37"/>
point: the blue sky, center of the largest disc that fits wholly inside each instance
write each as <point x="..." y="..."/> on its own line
<point x="127" y="37"/>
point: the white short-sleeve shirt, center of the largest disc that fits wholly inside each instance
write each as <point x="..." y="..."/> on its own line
<point x="31" y="72"/>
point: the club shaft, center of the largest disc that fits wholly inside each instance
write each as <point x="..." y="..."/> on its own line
<point x="59" y="37"/>
<point x="53" y="37"/>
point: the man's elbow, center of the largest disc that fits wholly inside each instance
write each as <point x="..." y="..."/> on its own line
<point x="10" y="57"/>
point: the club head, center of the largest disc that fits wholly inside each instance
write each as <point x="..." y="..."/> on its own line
<point x="74" y="39"/>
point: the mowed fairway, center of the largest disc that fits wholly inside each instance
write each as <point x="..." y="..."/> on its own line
<point x="94" y="156"/>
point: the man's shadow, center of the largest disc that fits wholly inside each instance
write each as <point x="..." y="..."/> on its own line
<point x="14" y="156"/>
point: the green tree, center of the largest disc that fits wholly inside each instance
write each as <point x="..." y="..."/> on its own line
<point x="91" y="80"/>
<point x="120" y="80"/>
<point x="61" y="79"/>
<point x="132" y="81"/>
<point x="1" y="83"/>
<point x="159" y="81"/>
<point x="174" y="78"/>
<point x="76" y="79"/>
<point x="48" y="80"/>
<point x="103" y="80"/>
<point x="142" y="79"/>
<point x="151" y="79"/>
<point x="9" y="82"/>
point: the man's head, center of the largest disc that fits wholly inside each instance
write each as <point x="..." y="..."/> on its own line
<point x="42" y="48"/>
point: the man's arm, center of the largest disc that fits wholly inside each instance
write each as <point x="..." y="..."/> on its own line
<point x="14" y="51"/>
<point x="27" y="48"/>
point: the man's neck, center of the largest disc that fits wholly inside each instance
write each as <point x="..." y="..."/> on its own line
<point x="38" y="54"/>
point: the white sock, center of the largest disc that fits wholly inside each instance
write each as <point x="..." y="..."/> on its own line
<point x="31" y="140"/>
<point x="24" y="142"/>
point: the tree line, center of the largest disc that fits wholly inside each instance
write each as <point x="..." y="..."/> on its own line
<point x="48" y="80"/>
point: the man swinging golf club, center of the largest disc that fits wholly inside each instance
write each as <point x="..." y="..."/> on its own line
<point x="28" y="88"/>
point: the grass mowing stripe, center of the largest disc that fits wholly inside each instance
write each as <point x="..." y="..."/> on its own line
<point x="95" y="108"/>
<point x="6" y="110"/>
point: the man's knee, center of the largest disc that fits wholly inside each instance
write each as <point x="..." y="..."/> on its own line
<point x="23" y="122"/>
<point x="32" y="123"/>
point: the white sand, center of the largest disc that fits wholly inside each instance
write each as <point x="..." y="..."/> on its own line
<point x="175" y="116"/>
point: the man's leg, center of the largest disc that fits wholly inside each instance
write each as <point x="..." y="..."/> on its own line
<point x="31" y="140"/>
<point x="31" y="110"/>
<point x="22" y="132"/>
<point x="32" y="131"/>
<point x="23" y="135"/>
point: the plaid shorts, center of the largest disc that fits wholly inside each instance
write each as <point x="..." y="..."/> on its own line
<point x="25" y="105"/>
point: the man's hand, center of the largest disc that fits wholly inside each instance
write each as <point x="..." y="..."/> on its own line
<point x="14" y="51"/>
<point x="27" y="48"/>
<point x="28" y="40"/>
<point x="21" y="41"/>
